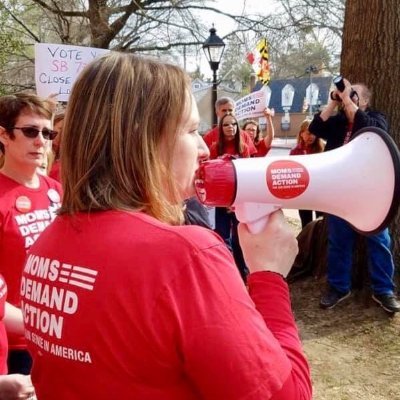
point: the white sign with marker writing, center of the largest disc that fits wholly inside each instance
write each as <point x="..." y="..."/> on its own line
<point x="58" y="65"/>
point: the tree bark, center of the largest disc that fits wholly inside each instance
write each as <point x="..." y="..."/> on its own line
<point x="370" y="54"/>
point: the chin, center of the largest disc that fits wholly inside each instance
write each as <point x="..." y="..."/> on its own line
<point x="188" y="193"/>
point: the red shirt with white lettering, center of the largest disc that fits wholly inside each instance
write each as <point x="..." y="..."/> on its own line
<point x="139" y="309"/>
<point x="24" y="214"/>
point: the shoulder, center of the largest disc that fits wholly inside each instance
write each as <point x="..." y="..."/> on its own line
<point x="246" y="151"/>
<point x="211" y="133"/>
<point x="296" y="150"/>
<point x="192" y="237"/>
<point x="51" y="183"/>
<point x="376" y="115"/>
<point x="196" y="213"/>
<point x="245" y="136"/>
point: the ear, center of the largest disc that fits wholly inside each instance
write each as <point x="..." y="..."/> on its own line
<point x="4" y="136"/>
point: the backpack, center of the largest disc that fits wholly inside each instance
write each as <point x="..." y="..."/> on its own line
<point x="311" y="258"/>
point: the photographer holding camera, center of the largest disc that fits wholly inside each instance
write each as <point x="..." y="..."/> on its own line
<point x="337" y="127"/>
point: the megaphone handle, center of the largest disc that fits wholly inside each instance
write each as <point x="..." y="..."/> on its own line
<point x="254" y="215"/>
<point x="258" y="226"/>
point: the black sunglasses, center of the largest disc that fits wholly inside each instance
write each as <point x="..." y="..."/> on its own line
<point x="32" y="133"/>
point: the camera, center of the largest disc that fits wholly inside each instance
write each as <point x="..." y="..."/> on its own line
<point x="339" y="83"/>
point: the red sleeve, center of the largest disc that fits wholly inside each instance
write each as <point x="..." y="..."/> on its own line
<point x="262" y="149"/>
<point x="296" y="151"/>
<point x="249" y="141"/>
<point x="210" y="137"/>
<point x="246" y="152"/>
<point x="230" y="349"/>
<point x="55" y="171"/>
<point x="213" y="151"/>
<point x="279" y="318"/>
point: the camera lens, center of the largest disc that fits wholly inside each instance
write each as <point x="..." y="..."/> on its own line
<point x="339" y="83"/>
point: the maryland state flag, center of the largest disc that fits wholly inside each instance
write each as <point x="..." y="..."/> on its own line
<point x="258" y="58"/>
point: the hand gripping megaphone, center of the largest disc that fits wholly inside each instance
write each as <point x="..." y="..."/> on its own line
<point x="358" y="182"/>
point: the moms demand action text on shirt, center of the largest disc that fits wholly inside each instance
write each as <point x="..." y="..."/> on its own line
<point x="50" y="292"/>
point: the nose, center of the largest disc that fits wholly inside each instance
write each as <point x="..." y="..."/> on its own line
<point x="204" y="151"/>
<point x="40" y="140"/>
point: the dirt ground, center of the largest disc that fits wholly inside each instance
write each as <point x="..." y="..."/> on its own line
<point x="353" y="349"/>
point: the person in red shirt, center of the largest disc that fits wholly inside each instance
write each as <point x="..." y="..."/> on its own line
<point x="58" y="127"/>
<point x="229" y="140"/>
<point x="149" y="307"/>
<point x="307" y="143"/>
<point x="13" y="386"/>
<point x="223" y="106"/>
<point x="230" y="144"/>
<point x="262" y="144"/>
<point x="28" y="200"/>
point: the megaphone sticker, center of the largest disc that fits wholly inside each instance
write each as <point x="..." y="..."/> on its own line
<point x="287" y="179"/>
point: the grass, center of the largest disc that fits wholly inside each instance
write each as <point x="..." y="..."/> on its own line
<point x="353" y="349"/>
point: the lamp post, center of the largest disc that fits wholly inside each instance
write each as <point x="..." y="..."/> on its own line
<point x="213" y="49"/>
<point x="311" y="69"/>
<point x="287" y="101"/>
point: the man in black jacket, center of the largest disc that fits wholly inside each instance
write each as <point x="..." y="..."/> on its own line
<point x="337" y="129"/>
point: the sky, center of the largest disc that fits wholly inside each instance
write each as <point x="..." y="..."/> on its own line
<point x="225" y="25"/>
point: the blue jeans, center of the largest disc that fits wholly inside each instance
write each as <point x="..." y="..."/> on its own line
<point x="341" y="239"/>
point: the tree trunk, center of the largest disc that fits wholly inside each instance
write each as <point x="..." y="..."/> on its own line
<point x="370" y="54"/>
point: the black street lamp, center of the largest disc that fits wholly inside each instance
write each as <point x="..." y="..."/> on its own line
<point x="213" y="49"/>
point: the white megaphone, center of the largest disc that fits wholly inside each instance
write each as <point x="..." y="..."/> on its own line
<point x="358" y="182"/>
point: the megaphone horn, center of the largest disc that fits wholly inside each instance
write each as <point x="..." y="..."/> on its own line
<point x="358" y="182"/>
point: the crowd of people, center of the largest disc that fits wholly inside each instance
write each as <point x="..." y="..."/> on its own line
<point x="118" y="275"/>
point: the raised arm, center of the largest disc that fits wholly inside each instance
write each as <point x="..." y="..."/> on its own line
<point x="269" y="113"/>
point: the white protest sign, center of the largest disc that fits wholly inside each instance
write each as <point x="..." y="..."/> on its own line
<point x="253" y="105"/>
<point x="58" y="65"/>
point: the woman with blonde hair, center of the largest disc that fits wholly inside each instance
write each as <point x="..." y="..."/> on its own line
<point x="58" y="123"/>
<point x="151" y="308"/>
<point x="307" y="143"/>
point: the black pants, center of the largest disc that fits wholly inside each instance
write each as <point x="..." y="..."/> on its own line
<point x="226" y="225"/>
<point x="19" y="362"/>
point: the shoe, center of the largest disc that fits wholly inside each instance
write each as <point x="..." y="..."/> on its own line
<point x="332" y="297"/>
<point x="388" y="302"/>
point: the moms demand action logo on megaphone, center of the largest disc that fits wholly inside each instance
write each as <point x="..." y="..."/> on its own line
<point x="287" y="179"/>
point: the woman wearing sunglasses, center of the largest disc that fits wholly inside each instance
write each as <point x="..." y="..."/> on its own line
<point x="144" y="306"/>
<point x="28" y="201"/>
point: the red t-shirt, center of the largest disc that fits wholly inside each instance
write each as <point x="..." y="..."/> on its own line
<point x="212" y="136"/>
<point x="301" y="150"/>
<point x="262" y="149"/>
<point x="144" y="310"/>
<point x="55" y="171"/>
<point x="3" y="334"/>
<point x="229" y="149"/>
<point x="24" y="214"/>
